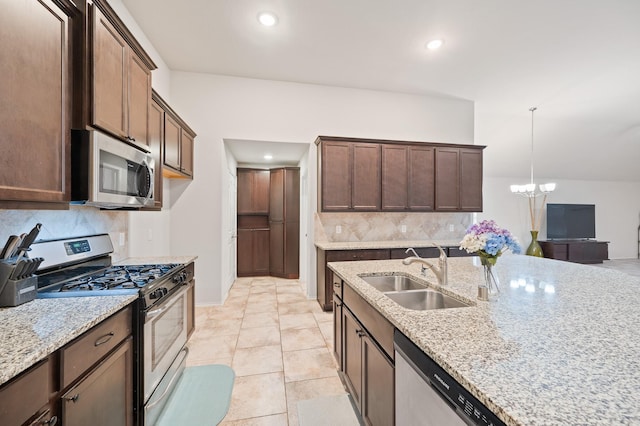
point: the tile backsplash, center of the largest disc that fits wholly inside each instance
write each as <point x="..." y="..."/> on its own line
<point x="356" y="227"/>
<point x="75" y="222"/>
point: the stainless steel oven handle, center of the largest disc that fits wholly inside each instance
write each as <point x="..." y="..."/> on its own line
<point x="155" y="312"/>
<point x="169" y="386"/>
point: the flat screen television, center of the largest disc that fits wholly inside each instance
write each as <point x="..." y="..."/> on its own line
<point x="571" y="221"/>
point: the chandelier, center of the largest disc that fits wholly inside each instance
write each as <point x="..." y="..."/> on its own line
<point x="532" y="191"/>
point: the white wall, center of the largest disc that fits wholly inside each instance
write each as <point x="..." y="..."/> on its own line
<point x="219" y="107"/>
<point x="617" y="207"/>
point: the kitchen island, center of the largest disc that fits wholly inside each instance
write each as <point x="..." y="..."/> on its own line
<point x="558" y="346"/>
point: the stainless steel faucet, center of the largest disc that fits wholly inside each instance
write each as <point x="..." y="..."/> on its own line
<point x="440" y="272"/>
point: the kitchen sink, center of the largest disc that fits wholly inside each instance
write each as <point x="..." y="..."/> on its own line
<point x="426" y="299"/>
<point x="385" y="283"/>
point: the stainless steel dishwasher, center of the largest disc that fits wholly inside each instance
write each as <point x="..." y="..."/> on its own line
<point x="426" y="395"/>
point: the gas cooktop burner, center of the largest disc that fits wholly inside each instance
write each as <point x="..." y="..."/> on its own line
<point x="119" y="277"/>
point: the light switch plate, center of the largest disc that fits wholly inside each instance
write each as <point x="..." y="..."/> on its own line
<point x="403" y="228"/>
<point x="121" y="239"/>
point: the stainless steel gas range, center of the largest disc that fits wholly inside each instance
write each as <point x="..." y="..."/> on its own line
<point x="78" y="267"/>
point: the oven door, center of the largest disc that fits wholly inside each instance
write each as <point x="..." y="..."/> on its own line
<point x="164" y="335"/>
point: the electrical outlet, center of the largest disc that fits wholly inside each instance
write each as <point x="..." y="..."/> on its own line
<point x="451" y="227"/>
<point x="121" y="239"/>
<point x="403" y="228"/>
<point x="338" y="229"/>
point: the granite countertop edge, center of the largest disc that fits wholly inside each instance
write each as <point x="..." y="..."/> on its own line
<point x="34" y="330"/>
<point x="363" y="245"/>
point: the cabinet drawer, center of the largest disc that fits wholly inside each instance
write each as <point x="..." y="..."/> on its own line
<point x="337" y="285"/>
<point x="21" y="398"/>
<point x="78" y="356"/>
<point x="346" y="255"/>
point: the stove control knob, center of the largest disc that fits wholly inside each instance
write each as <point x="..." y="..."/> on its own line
<point x="158" y="293"/>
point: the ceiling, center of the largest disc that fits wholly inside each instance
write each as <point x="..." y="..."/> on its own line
<point x="578" y="61"/>
<point x="249" y="153"/>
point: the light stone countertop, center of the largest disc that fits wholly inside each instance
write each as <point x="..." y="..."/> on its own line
<point x="33" y="330"/>
<point x="560" y="345"/>
<point x="361" y="245"/>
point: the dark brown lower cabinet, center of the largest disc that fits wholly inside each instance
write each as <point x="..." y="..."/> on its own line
<point x="352" y="333"/>
<point x="368" y="373"/>
<point x="378" y="385"/>
<point x="105" y="395"/>
<point x="27" y="396"/>
<point x="337" y="330"/>
<point x="253" y="252"/>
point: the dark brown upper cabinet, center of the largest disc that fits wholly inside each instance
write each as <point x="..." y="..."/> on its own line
<point x="383" y="175"/>
<point x="156" y="142"/>
<point x="121" y="78"/>
<point x="350" y="176"/>
<point x="253" y="191"/>
<point x="36" y="60"/>
<point x="176" y="159"/>
<point x="458" y="179"/>
<point x="407" y="178"/>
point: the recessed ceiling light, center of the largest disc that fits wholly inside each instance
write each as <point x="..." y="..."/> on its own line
<point x="267" y="19"/>
<point x="435" y="44"/>
<point x="268" y="156"/>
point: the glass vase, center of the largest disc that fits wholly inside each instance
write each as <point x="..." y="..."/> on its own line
<point x="491" y="283"/>
<point x="534" y="248"/>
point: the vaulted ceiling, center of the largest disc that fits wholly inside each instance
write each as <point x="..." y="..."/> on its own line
<point x="578" y="61"/>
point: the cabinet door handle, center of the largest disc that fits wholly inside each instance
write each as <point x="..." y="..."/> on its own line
<point x="73" y="398"/>
<point x="104" y="339"/>
<point x="336" y="285"/>
<point x="41" y="420"/>
<point x="52" y="421"/>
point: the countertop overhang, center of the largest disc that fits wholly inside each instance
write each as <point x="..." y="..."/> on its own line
<point x="559" y="345"/>
<point x="363" y="245"/>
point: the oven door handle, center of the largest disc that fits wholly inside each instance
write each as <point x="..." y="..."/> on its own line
<point x="155" y="312"/>
<point x="169" y="386"/>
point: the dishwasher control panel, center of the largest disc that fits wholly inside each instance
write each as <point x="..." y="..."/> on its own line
<point x="466" y="406"/>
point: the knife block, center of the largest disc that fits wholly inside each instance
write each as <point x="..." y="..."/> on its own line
<point x="16" y="292"/>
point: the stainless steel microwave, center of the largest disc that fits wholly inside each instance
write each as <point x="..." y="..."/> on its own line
<point x="109" y="173"/>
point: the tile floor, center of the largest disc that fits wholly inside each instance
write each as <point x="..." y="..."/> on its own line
<point x="278" y="343"/>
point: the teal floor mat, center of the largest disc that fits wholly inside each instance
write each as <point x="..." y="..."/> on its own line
<point x="201" y="397"/>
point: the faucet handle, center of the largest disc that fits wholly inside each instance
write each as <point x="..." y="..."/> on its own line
<point x="410" y="249"/>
